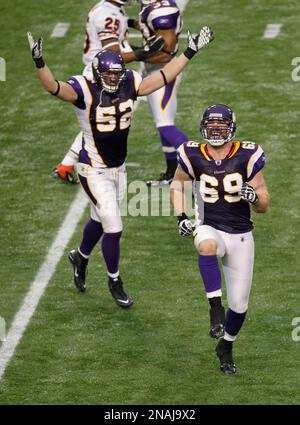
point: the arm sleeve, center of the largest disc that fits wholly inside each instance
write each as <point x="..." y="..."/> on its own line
<point x="256" y="163"/>
<point x="184" y="161"/>
<point x="80" y="103"/>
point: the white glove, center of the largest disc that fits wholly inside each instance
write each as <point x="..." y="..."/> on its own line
<point x="185" y="226"/>
<point x="196" y="42"/>
<point x="36" y="48"/>
<point x="248" y="194"/>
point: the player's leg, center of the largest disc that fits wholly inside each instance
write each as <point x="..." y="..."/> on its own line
<point x="238" y="269"/>
<point x="210" y="245"/>
<point x="79" y="257"/>
<point x="163" y="105"/>
<point x="105" y="189"/>
<point x="66" y="169"/>
<point x="110" y="215"/>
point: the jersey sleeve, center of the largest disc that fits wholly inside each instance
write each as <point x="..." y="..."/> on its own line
<point x="75" y="83"/>
<point x="164" y="18"/>
<point x="184" y="161"/>
<point x="255" y="163"/>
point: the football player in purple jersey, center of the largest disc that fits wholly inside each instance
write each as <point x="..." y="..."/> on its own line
<point x="163" y="18"/>
<point x="106" y="28"/>
<point x="104" y="107"/>
<point x="228" y="184"/>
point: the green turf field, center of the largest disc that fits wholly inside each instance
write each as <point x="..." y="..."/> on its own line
<point x="83" y="348"/>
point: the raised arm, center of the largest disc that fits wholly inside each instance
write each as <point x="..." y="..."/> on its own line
<point x="170" y="71"/>
<point x="57" y="88"/>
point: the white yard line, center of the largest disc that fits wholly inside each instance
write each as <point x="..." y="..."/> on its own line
<point x="60" y="29"/>
<point x="39" y="285"/>
<point x="47" y="269"/>
<point x="272" y="30"/>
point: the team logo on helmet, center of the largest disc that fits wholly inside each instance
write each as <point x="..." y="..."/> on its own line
<point x="218" y="125"/>
<point x="108" y="70"/>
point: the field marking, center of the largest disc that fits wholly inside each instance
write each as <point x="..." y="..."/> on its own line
<point x="46" y="271"/>
<point x="60" y="29"/>
<point x="272" y="31"/>
<point x="133" y="164"/>
<point x="38" y="286"/>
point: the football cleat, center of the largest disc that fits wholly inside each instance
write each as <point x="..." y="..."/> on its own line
<point x="217" y="321"/>
<point x="224" y="353"/>
<point x="65" y="173"/>
<point x="165" y="179"/>
<point x="115" y="286"/>
<point x="79" y="264"/>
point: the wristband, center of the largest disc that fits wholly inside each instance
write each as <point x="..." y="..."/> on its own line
<point x="182" y="217"/>
<point x="58" y="88"/>
<point x="39" y="63"/>
<point x="131" y="23"/>
<point x="189" y="53"/>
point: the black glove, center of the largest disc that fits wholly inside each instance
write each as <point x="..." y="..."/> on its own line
<point x="185" y="226"/>
<point x="248" y="194"/>
<point x="131" y="23"/>
<point x="36" y="48"/>
<point x="196" y="42"/>
<point x="153" y="45"/>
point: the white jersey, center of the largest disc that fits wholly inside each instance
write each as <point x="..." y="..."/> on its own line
<point x="105" y="20"/>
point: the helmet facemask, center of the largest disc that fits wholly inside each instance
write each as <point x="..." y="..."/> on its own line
<point x="218" y="125"/>
<point x="110" y="73"/>
<point x="217" y="132"/>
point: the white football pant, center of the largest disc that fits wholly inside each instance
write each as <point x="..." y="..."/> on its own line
<point x="105" y="188"/>
<point x="237" y="256"/>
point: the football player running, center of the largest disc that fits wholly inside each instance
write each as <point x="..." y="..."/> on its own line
<point x="104" y="108"/>
<point x="162" y="18"/>
<point x="228" y="184"/>
<point x="106" y="28"/>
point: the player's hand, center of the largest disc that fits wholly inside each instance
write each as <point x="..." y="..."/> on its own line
<point x="154" y="44"/>
<point x="36" y="48"/>
<point x="185" y="226"/>
<point x="248" y="194"/>
<point x="198" y="41"/>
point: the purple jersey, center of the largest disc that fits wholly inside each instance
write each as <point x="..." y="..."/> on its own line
<point x="217" y="183"/>
<point x="162" y="15"/>
<point x="105" y="119"/>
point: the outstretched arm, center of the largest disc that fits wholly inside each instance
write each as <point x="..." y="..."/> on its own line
<point x="58" y="88"/>
<point x="170" y="71"/>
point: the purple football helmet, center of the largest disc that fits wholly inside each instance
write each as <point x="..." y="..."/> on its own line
<point x="217" y="135"/>
<point x="108" y="70"/>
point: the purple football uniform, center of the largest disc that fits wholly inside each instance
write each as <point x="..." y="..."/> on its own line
<point x="105" y="119"/>
<point x="162" y="15"/>
<point x="217" y="183"/>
